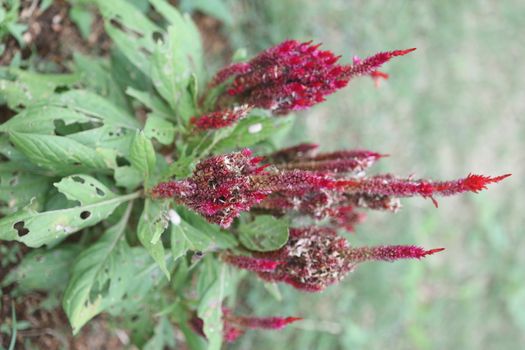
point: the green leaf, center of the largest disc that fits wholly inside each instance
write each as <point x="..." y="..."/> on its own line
<point x="249" y="132"/>
<point x="83" y="19"/>
<point x="100" y="276"/>
<point x="163" y="336"/>
<point x="158" y="128"/>
<point x="210" y="306"/>
<point x="265" y="234"/>
<point x="30" y="88"/>
<point x="153" y="222"/>
<point x="35" y="229"/>
<point x="130" y="30"/>
<point x="43" y="269"/>
<point x="96" y="76"/>
<point x="18" y="188"/>
<point x="85" y="189"/>
<point x="41" y="119"/>
<point x="151" y="101"/>
<point x="128" y="177"/>
<point x="214" y="8"/>
<point x="61" y="155"/>
<point x="142" y="155"/>
<point x="94" y="105"/>
<point x="202" y="235"/>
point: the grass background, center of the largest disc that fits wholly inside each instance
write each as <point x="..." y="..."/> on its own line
<point x="456" y="105"/>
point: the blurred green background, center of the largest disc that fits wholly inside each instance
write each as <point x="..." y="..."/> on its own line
<point x="456" y="105"/>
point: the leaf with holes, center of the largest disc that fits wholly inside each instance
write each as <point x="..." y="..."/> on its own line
<point x="43" y="269"/>
<point x="142" y="155"/>
<point x="61" y="155"/>
<point x="85" y="189"/>
<point x="17" y="188"/>
<point x="91" y="104"/>
<point x="152" y="224"/>
<point x="41" y="119"/>
<point x="29" y="88"/>
<point x="100" y="276"/>
<point x="265" y="234"/>
<point x="159" y="128"/>
<point x="37" y="228"/>
<point x="130" y="30"/>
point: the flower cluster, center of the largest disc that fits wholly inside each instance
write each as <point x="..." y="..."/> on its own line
<point x="294" y="76"/>
<point x="223" y="186"/>
<point x="234" y="325"/>
<point x="324" y="185"/>
<point x="220" y="119"/>
<point x="316" y="257"/>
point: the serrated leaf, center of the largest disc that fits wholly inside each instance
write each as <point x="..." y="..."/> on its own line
<point x="265" y="234"/>
<point x="35" y="229"/>
<point x="153" y="222"/>
<point x="142" y="155"/>
<point x="100" y="276"/>
<point x="60" y="155"/>
<point x="43" y="269"/>
<point x="158" y="128"/>
<point x="84" y="188"/>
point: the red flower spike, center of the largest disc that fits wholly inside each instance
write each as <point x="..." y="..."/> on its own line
<point x="476" y="183"/>
<point x="388" y="253"/>
<point x="265" y="322"/>
<point x="316" y="257"/>
<point x="294" y="76"/>
<point x="388" y="185"/>
<point x="251" y="264"/>
<point x="220" y="119"/>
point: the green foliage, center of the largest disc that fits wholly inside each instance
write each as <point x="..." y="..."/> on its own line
<point x="80" y="155"/>
<point x="264" y="234"/>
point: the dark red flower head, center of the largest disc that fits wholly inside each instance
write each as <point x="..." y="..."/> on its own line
<point x="294" y="76"/>
<point x="220" y="119"/>
<point x="223" y="186"/>
<point x="316" y="257"/>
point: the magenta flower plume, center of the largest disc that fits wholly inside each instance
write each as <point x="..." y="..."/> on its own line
<point x="235" y="326"/>
<point x="220" y="119"/>
<point x="223" y="186"/>
<point x="294" y="76"/>
<point x="389" y="253"/>
<point x="388" y="185"/>
<point x="315" y="257"/>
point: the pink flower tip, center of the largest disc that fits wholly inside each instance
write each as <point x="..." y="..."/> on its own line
<point x="403" y="52"/>
<point x="476" y="183"/>
<point x="432" y="251"/>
